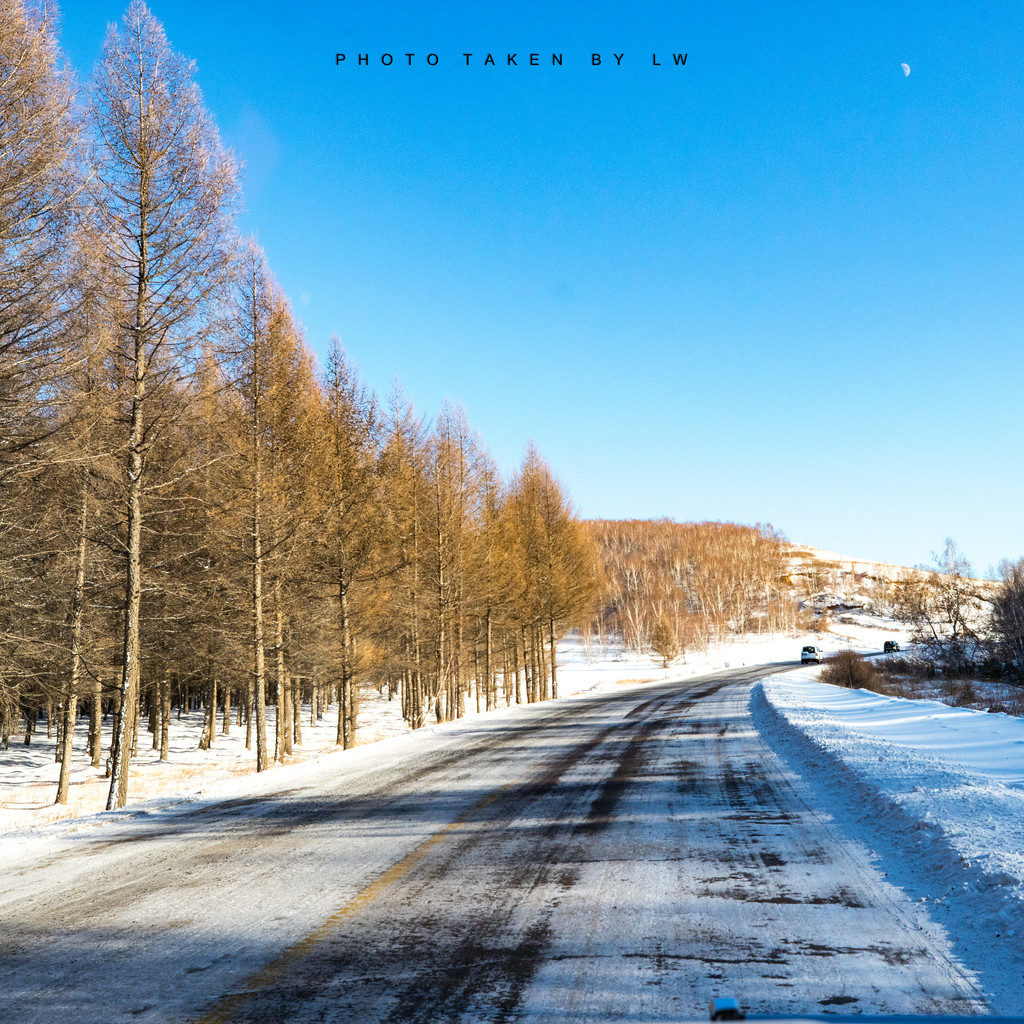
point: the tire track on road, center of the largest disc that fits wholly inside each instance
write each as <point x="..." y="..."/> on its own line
<point x="470" y="964"/>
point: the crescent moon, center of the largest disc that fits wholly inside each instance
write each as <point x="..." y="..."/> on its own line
<point x="906" y="69"/>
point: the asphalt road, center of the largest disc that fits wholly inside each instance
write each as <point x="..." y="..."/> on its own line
<point x="615" y="858"/>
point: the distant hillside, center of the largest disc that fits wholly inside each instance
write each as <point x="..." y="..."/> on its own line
<point x="827" y="582"/>
<point x="692" y="583"/>
<point x="685" y="585"/>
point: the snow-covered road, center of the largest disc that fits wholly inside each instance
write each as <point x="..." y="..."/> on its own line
<point x="615" y="857"/>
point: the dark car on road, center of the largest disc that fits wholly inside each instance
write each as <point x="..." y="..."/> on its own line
<point x="889" y="646"/>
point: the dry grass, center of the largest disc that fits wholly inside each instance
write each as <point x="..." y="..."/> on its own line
<point x="848" y="668"/>
<point x="918" y="679"/>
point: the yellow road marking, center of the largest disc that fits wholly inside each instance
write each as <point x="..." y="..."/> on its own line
<point x="224" y="1009"/>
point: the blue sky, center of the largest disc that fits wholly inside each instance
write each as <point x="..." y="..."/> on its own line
<point x="779" y="284"/>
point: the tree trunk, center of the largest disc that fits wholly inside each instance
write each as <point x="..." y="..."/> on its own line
<point x="346" y="709"/>
<point x="154" y="715"/>
<point x="71" y="690"/>
<point x="283" y="718"/>
<point x="165" y="719"/>
<point x="130" y="652"/>
<point x="296" y="700"/>
<point x="96" y="724"/>
<point x="259" y="666"/>
<point x="210" y="716"/>
<point x="136" y="718"/>
<point x="489" y="701"/>
<point x="554" y="664"/>
<point x="515" y="662"/>
<point x="248" y="708"/>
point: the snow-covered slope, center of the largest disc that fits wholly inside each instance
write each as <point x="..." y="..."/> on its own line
<point x="833" y="582"/>
<point x="938" y="790"/>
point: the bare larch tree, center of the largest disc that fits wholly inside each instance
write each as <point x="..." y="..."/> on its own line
<point x="163" y="191"/>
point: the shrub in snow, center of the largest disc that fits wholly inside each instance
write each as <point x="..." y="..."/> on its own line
<point x="848" y="668"/>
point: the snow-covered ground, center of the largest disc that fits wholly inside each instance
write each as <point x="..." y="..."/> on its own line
<point x="939" y="790"/>
<point x="838" y="726"/>
<point x="28" y="775"/>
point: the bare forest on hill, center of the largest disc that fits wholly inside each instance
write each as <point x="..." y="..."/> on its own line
<point x="193" y="513"/>
<point x="674" y="587"/>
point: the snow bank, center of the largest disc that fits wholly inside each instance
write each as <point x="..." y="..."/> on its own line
<point x="944" y="786"/>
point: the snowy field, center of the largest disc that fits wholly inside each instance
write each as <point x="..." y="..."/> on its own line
<point x="945" y="784"/>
